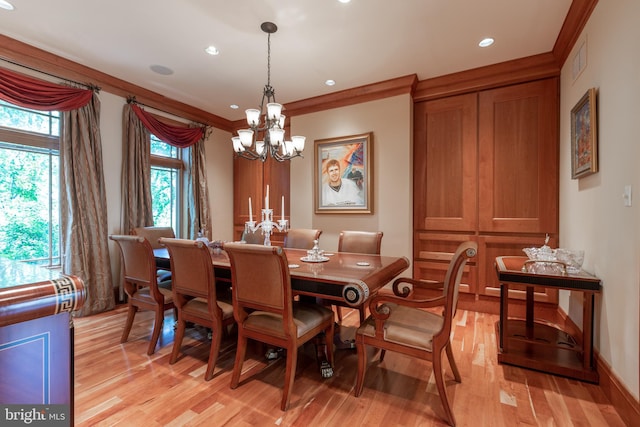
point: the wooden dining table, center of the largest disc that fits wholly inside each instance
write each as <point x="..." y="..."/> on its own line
<point x="348" y="278"/>
<point x="342" y="278"/>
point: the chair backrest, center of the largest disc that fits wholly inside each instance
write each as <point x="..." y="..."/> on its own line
<point x="261" y="280"/>
<point x="253" y="237"/>
<point x="152" y="234"/>
<point x="301" y="238"/>
<point x="191" y="268"/>
<point x="362" y="242"/>
<point x="138" y="262"/>
<point x="452" y="278"/>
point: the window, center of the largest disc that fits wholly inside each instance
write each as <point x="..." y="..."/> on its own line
<point x="166" y="183"/>
<point x="29" y="185"/>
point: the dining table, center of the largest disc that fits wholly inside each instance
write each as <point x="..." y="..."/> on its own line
<point x="341" y="278"/>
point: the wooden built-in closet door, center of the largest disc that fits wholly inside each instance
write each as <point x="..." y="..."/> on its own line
<point x="445" y="156"/>
<point x="518" y="165"/>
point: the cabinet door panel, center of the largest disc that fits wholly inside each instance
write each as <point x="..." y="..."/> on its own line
<point x="433" y="253"/>
<point x="445" y="156"/>
<point x="518" y="145"/>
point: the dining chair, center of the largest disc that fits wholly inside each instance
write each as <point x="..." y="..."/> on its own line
<point x="141" y="284"/>
<point x="195" y="297"/>
<point x="265" y="309"/>
<point x="153" y="234"/>
<point x="402" y="324"/>
<point x="253" y="237"/>
<point x="301" y="238"/>
<point x="362" y="242"/>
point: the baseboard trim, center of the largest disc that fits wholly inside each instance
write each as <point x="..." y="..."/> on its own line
<point x="627" y="406"/>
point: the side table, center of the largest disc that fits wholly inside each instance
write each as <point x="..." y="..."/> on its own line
<point x="539" y="345"/>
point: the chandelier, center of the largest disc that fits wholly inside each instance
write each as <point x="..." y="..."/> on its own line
<point x="246" y="144"/>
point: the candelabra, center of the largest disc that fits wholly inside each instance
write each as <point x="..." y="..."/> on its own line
<point x="266" y="225"/>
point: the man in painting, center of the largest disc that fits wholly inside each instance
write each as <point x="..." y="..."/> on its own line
<point x="338" y="191"/>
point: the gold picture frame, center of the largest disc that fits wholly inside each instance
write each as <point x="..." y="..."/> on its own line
<point x="584" y="136"/>
<point x="343" y="174"/>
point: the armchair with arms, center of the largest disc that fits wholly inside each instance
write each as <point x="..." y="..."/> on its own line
<point x="401" y="324"/>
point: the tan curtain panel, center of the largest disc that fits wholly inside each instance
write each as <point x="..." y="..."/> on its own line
<point x="137" y="210"/>
<point x="198" y="208"/>
<point x="84" y="207"/>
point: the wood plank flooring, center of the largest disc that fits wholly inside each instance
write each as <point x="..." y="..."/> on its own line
<point x="119" y="385"/>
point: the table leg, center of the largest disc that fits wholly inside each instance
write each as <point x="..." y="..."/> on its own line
<point x="587" y="329"/>
<point x="504" y="315"/>
<point x="529" y="313"/>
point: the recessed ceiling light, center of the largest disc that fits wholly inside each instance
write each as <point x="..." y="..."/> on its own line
<point x="161" y="69"/>
<point x="234" y="106"/>
<point x="344" y="1"/>
<point x="330" y="82"/>
<point x="6" y="5"/>
<point x="486" y="42"/>
<point x="212" y="50"/>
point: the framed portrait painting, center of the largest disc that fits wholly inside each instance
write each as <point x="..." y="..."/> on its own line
<point x="343" y="174"/>
<point x="584" y="136"/>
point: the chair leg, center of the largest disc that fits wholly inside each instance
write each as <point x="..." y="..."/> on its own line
<point x="382" y="353"/>
<point x="177" y="340"/>
<point x="363" y="312"/>
<point x="213" y="352"/>
<point x="339" y="313"/>
<point x="362" y="365"/>
<point x="437" y="373"/>
<point x="157" y="328"/>
<point x="131" y="314"/>
<point x="452" y="363"/>
<point x="241" y="349"/>
<point x="289" y="375"/>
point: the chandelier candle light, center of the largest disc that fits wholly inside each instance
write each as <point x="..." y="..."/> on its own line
<point x="266" y="224"/>
<point x="246" y="144"/>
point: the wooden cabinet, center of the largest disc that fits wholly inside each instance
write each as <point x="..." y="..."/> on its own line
<point x="250" y="179"/>
<point x="485" y="169"/>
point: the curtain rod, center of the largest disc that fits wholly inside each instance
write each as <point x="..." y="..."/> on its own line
<point x="91" y="86"/>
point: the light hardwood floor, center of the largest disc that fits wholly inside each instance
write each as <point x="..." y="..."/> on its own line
<point x="118" y="384"/>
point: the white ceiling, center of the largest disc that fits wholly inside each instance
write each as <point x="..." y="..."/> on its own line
<point x="355" y="44"/>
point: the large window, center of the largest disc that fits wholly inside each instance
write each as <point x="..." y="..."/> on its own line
<point x="29" y="185"/>
<point x="166" y="183"/>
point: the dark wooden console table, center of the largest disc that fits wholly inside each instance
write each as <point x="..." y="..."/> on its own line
<point x="535" y="344"/>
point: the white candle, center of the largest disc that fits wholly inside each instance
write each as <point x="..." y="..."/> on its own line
<point x="283" y="208"/>
<point x="250" y="211"/>
<point x="266" y="199"/>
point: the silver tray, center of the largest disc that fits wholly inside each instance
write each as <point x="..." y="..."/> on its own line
<point x="319" y="259"/>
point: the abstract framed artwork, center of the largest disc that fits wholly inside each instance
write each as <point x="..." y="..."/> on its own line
<point x="343" y="174"/>
<point x="584" y="136"/>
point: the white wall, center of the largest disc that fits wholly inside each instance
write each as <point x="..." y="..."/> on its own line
<point x="592" y="215"/>
<point x="390" y="120"/>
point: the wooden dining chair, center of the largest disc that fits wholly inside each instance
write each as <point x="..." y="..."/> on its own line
<point x="402" y="324"/>
<point x="362" y="242"/>
<point x="195" y="297"/>
<point x="141" y="284"/>
<point x="153" y="234"/>
<point x="253" y="237"/>
<point x="265" y="310"/>
<point x="301" y="238"/>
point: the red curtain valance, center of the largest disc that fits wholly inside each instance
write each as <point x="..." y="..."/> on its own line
<point x="177" y="136"/>
<point x="29" y="92"/>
